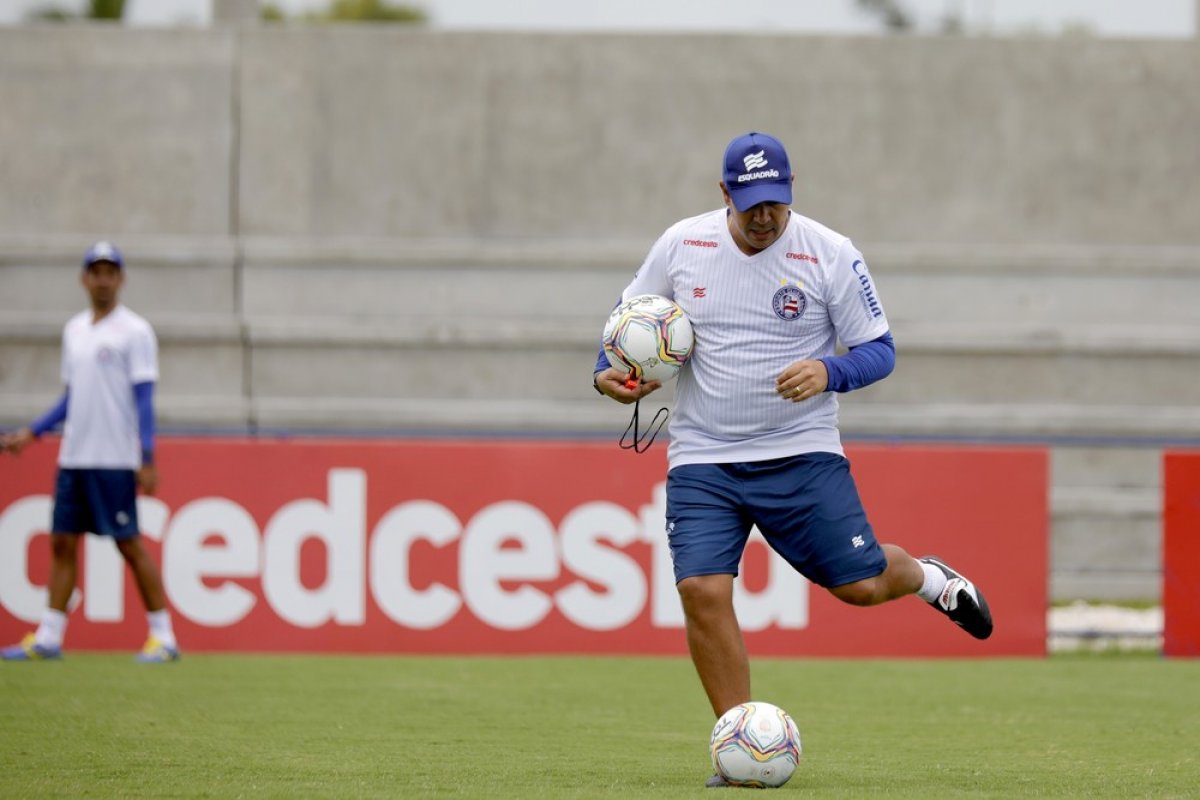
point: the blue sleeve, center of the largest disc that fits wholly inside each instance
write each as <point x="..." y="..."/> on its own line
<point x="602" y="362"/>
<point x="862" y="365"/>
<point x="50" y="420"/>
<point x="143" y="393"/>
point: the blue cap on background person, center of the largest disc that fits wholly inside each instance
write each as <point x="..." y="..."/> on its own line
<point x="757" y="170"/>
<point x="103" y="251"/>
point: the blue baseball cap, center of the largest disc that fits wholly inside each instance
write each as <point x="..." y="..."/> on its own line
<point x="103" y="251"/>
<point x="757" y="170"/>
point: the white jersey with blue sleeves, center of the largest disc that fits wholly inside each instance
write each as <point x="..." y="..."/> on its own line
<point x="752" y="317"/>
<point x="101" y="363"/>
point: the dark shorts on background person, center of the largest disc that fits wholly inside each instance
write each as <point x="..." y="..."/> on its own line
<point x="807" y="508"/>
<point x="102" y="501"/>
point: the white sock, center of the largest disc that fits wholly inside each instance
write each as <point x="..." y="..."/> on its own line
<point x="160" y="626"/>
<point x="935" y="581"/>
<point x="52" y="628"/>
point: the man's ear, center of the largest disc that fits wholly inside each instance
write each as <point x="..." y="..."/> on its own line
<point x="725" y="192"/>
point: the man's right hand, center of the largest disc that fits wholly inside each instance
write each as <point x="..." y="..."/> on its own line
<point x="614" y="383"/>
<point x="15" y="441"/>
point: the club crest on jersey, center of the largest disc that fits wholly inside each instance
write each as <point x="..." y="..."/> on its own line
<point x="789" y="302"/>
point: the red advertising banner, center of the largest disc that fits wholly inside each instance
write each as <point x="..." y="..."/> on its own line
<point x="1181" y="554"/>
<point x="447" y="546"/>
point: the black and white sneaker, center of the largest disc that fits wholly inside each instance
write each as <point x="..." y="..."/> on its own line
<point x="961" y="601"/>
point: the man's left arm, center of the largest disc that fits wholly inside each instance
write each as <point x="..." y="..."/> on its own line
<point x="143" y="395"/>
<point x="862" y="365"/>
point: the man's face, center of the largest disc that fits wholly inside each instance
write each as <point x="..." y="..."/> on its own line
<point x="102" y="281"/>
<point x="757" y="227"/>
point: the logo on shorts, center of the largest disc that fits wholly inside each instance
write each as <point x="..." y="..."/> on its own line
<point x="122" y="518"/>
<point x="858" y="542"/>
<point x="789" y="302"/>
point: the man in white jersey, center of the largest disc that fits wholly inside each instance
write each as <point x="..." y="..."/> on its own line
<point x="754" y="436"/>
<point x="109" y="368"/>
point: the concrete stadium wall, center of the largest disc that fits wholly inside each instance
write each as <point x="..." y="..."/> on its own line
<point x="115" y="132"/>
<point x="367" y="131"/>
<point x="384" y="229"/>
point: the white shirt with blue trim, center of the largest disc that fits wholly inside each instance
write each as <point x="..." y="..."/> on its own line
<point x="752" y="317"/>
<point x="101" y="363"/>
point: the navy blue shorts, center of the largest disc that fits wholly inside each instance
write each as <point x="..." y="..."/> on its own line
<point x="102" y="501"/>
<point x="806" y="507"/>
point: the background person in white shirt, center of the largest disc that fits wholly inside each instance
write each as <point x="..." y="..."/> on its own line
<point x="754" y="435"/>
<point x="109" y="368"/>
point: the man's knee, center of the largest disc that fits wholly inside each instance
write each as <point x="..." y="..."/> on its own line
<point x="701" y="593"/>
<point x="64" y="546"/>
<point x="131" y="549"/>
<point x="867" y="592"/>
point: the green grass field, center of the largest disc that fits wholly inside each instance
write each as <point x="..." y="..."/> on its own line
<point x="1093" y="726"/>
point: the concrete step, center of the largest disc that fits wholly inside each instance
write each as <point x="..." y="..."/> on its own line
<point x="431" y="360"/>
<point x="997" y="285"/>
<point x="192" y="412"/>
<point x="371" y="355"/>
<point x="1106" y="464"/>
<point x="202" y="367"/>
<point x="1106" y="543"/>
<point x="1064" y="376"/>
<point x="164" y="275"/>
<point x="1150" y="366"/>
<point x="1054" y="422"/>
<point x="1106" y="584"/>
<point x="1052" y="298"/>
<point x="589" y="413"/>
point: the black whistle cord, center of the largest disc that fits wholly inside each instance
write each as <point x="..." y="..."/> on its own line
<point x="640" y="443"/>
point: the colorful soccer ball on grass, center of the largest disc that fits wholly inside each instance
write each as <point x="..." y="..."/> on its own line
<point x="756" y="745"/>
<point x="650" y="336"/>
